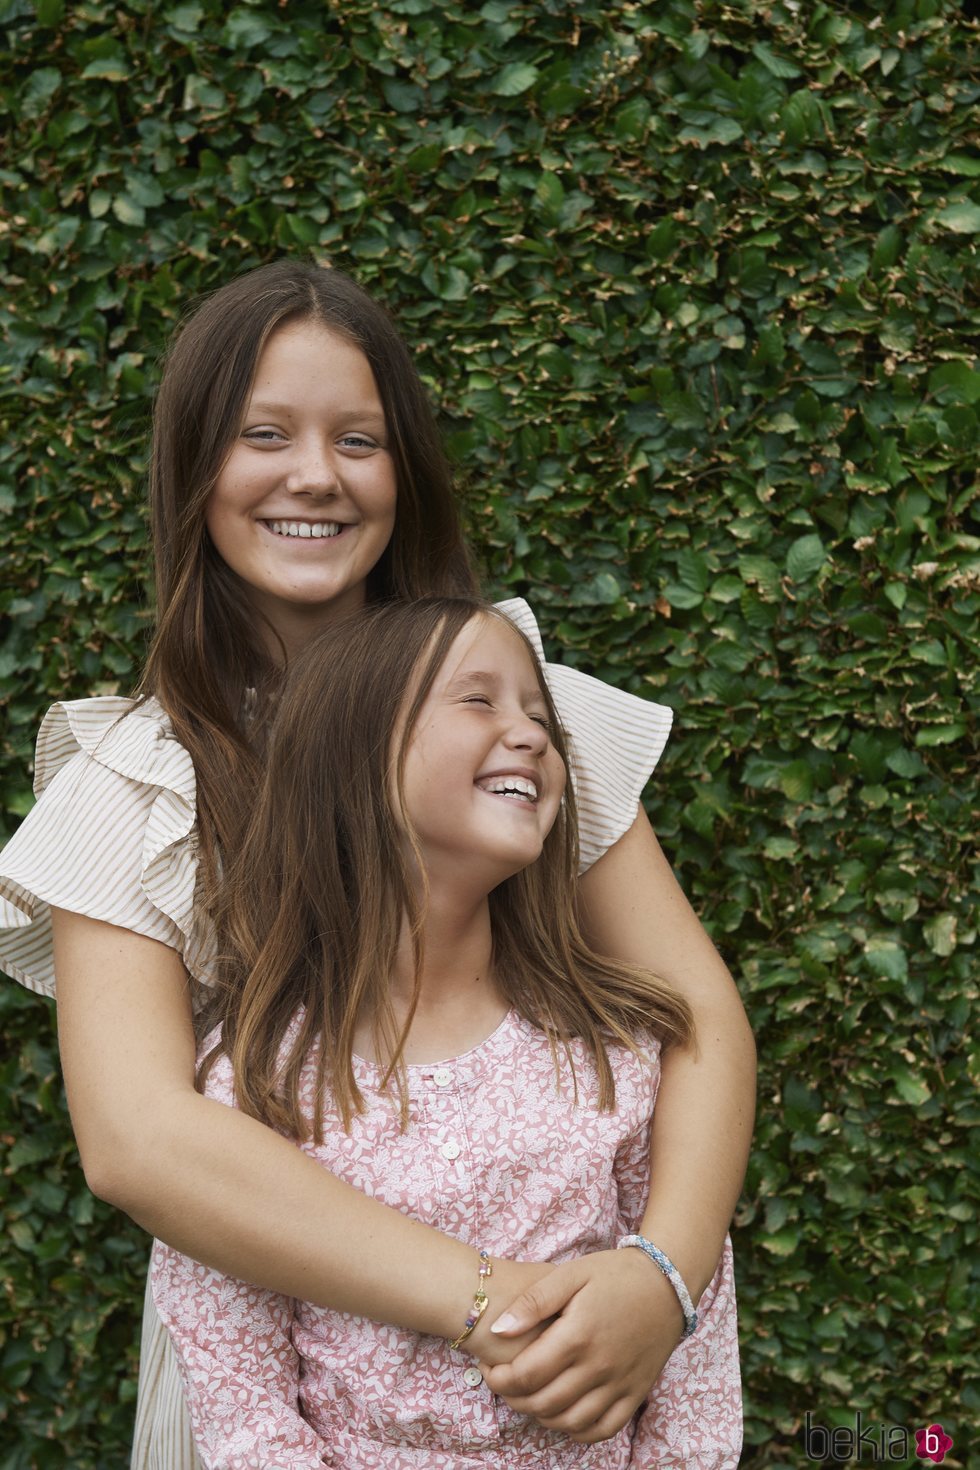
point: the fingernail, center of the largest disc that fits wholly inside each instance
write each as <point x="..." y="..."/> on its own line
<point x="506" y="1322"/>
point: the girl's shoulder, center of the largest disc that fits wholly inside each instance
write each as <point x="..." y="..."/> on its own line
<point x="112" y="836"/>
<point x="133" y="737"/>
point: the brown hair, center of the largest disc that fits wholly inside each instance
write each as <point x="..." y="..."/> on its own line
<point x="314" y="902"/>
<point x="207" y="650"/>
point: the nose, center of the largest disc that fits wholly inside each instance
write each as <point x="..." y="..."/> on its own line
<point x="527" y="734"/>
<point x="313" y="471"/>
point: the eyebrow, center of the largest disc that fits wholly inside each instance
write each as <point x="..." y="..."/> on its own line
<point x="491" y="681"/>
<point x="266" y="406"/>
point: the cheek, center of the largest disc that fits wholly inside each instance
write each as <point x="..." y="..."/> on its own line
<point x="219" y="518"/>
<point x="386" y="506"/>
<point x="557" y="781"/>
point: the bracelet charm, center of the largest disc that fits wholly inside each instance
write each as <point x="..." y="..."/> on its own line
<point x="480" y="1301"/>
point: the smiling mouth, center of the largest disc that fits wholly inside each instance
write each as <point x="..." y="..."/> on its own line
<point x="304" y="530"/>
<point x="513" y="788"/>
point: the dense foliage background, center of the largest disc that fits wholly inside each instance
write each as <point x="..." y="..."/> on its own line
<point x="691" y="285"/>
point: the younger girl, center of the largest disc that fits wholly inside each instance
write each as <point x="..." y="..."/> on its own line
<point x="403" y="990"/>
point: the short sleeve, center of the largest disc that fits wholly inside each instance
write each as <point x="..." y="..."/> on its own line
<point x="112" y="836"/>
<point x="615" y="740"/>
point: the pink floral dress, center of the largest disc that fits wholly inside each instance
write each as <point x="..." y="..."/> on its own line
<point x="495" y="1154"/>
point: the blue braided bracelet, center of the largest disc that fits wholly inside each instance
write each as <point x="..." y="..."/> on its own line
<point x="672" y="1274"/>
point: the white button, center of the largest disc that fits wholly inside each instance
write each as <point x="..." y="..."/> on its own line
<point x="472" y="1377"/>
<point x="450" y="1150"/>
<point x="442" y="1077"/>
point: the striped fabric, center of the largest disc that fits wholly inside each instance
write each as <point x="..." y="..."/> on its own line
<point x="112" y="836"/>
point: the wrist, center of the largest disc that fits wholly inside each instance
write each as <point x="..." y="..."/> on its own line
<point x="695" y="1258"/>
<point x="509" y="1280"/>
<point x="653" y="1293"/>
<point x="667" y="1268"/>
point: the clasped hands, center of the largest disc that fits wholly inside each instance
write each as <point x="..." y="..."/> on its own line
<point x="577" y="1346"/>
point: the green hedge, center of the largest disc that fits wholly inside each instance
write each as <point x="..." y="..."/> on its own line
<point x="694" y="287"/>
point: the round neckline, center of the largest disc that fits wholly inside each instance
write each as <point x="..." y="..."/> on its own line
<point x="465" y="1069"/>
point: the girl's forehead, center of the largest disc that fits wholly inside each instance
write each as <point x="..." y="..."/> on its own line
<point x="490" y="646"/>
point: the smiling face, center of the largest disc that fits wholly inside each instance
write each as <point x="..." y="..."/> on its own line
<point x="481" y="781"/>
<point x="304" y="505"/>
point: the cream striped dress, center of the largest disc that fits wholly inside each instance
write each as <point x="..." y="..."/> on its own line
<point x="113" y="837"/>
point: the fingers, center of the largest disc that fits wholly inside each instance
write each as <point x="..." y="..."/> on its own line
<point x="615" y="1418"/>
<point x="585" y="1416"/>
<point x="537" y="1368"/>
<point x="545" y="1298"/>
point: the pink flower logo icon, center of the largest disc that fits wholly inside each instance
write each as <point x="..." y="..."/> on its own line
<point x="932" y="1443"/>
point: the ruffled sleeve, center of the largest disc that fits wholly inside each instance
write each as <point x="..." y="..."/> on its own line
<point x="112" y="836"/>
<point x="615" y="739"/>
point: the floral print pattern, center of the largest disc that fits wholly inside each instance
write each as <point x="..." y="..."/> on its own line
<point x="498" y="1153"/>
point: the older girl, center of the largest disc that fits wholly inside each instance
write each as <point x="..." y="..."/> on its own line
<point x="404" y="992"/>
<point x="296" y="475"/>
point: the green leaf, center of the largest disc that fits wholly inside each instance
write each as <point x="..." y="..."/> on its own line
<point x="246" y="28"/>
<point x="603" y="590"/>
<point x="940" y="934"/>
<point x="50" y="12"/>
<point x="38" y="90"/>
<point x="965" y="164"/>
<point x="888" y="247"/>
<point x="404" y="97"/>
<point x="962" y="217"/>
<point x="563" y="98"/>
<point x="514" y="79"/>
<point x="955" y="382"/>
<point x="721" y="130"/>
<point x="681" y="596"/>
<point x="632" y="119"/>
<point x="760" y="571"/>
<point x="886" y="957"/>
<point x="128" y="211"/>
<point x="782" y="1244"/>
<point x="202" y="94"/>
<point x="186" y="18"/>
<point x="693" y="571"/>
<point x="549" y="194"/>
<point x="930" y="735"/>
<point x="905" y="763"/>
<point x="114" y="68"/>
<point x="805" y="557"/>
<point x="777" y="66"/>
<point x="796" y="779"/>
<point x="910" y="1085"/>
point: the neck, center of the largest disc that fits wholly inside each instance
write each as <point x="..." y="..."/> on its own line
<point x="291" y="626"/>
<point x="459" y="1004"/>
<point x="457" y="948"/>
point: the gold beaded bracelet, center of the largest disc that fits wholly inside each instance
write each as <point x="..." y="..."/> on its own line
<point x="480" y="1301"/>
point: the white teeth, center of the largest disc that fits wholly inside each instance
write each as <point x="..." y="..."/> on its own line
<point x="510" y="786"/>
<point x="317" y="530"/>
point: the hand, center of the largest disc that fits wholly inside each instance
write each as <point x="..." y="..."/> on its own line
<point x="510" y="1283"/>
<point x="586" y="1374"/>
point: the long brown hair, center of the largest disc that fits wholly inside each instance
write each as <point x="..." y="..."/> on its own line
<point x="207" y="650"/>
<point x="313" y="904"/>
